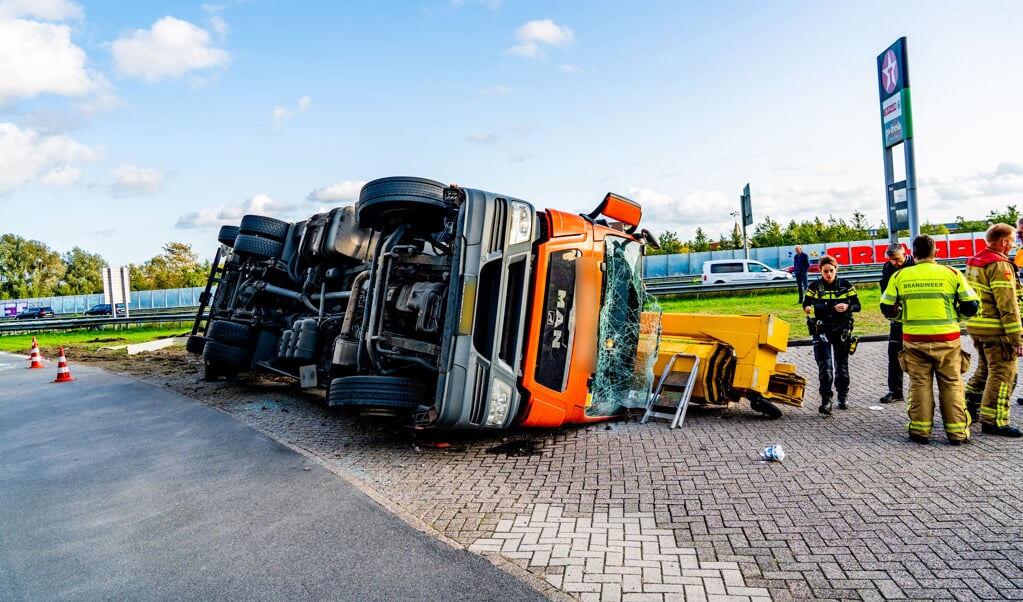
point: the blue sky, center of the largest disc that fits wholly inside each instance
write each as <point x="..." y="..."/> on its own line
<point x="127" y="125"/>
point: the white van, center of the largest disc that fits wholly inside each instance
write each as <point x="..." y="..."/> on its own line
<point x="724" y="271"/>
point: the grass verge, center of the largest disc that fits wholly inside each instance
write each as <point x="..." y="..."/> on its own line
<point x="783" y="305"/>
<point x="90" y="340"/>
<point x="780" y="304"/>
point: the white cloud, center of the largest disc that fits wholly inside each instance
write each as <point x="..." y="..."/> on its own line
<point x="491" y="4"/>
<point x="39" y="58"/>
<point x="219" y="26"/>
<point x="46" y="10"/>
<point x="131" y="180"/>
<point x="712" y="210"/>
<point x="260" y="204"/>
<point x="495" y="91"/>
<point x="342" y="192"/>
<point x="481" y="138"/>
<point x="695" y="208"/>
<point x="568" y="68"/>
<point x="26" y="155"/>
<point x="217" y="23"/>
<point x="62" y="176"/>
<point x="535" y="34"/>
<point x="281" y="114"/>
<point x="1009" y="169"/>
<point x="1004" y="180"/>
<point x="172" y="48"/>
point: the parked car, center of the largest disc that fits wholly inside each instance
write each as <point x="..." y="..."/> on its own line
<point x="103" y="309"/>
<point x="724" y="271"/>
<point x="34" y="313"/>
<point x="815" y="268"/>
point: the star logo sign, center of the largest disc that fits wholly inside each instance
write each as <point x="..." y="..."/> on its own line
<point x="889" y="72"/>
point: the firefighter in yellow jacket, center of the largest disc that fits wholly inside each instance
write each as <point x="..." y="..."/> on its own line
<point x="996" y="332"/>
<point x="931" y="298"/>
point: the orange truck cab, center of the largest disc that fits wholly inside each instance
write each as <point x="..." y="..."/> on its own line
<point x="586" y="302"/>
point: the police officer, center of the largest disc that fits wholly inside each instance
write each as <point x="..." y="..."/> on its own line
<point x="931" y="299"/>
<point x="833" y="301"/>
<point x="897" y="259"/>
<point x="996" y="332"/>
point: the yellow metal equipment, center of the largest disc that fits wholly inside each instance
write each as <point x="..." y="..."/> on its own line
<point x="737" y="358"/>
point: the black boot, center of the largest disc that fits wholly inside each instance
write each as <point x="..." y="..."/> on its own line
<point x="973" y="405"/>
<point x="842" y="402"/>
<point x="1004" y="431"/>
<point x="825" y="405"/>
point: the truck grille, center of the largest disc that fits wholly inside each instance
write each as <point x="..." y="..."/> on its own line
<point x="479" y="397"/>
<point x="498" y="225"/>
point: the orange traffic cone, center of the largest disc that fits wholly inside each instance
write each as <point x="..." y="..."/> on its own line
<point x="37" y="359"/>
<point x="63" y="374"/>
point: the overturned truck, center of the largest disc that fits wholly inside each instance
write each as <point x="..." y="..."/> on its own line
<point x="445" y="307"/>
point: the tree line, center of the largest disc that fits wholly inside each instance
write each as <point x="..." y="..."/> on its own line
<point x="769" y="233"/>
<point x="30" y="268"/>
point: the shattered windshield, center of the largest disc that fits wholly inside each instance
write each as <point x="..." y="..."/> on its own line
<point x="622" y="380"/>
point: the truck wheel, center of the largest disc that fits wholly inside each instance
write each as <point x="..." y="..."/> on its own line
<point x="267" y="227"/>
<point x="195" y="344"/>
<point x="765" y="407"/>
<point x="230" y="333"/>
<point x="226" y="357"/>
<point x="378" y="395"/>
<point x="256" y="247"/>
<point x="401" y="199"/>
<point x="227" y="235"/>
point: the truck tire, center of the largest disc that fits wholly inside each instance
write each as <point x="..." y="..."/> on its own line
<point x="400" y="200"/>
<point x="226" y="358"/>
<point x="227" y="235"/>
<point x="195" y="344"/>
<point x="378" y="395"/>
<point x="256" y="247"/>
<point x="267" y="227"/>
<point x="230" y="333"/>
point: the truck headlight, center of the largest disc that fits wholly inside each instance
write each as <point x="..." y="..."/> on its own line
<point x="521" y="223"/>
<point x="500" y="403"/>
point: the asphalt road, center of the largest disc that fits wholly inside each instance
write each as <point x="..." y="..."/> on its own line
<point x="112" y="488"/>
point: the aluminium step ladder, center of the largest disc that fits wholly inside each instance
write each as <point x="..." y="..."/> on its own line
<point x="687" y="392"/>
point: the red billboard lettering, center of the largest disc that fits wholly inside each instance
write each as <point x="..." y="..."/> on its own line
<point x="862" y="254"/>
<point x="960" y="248"/>
<point x="841" y="255"/>
<point x="866" y="255"/>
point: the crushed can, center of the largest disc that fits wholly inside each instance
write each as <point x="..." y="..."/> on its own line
<point x="773" y="453"/>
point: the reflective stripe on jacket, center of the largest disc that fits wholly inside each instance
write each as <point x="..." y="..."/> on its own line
<point x="823" y="297"/>
<point x="927" y="293"/>
<point x="994" y="278"/>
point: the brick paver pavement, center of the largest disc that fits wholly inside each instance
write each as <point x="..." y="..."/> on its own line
<point x="642" y="512"/>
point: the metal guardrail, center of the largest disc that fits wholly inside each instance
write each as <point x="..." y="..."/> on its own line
<point x="670" y="285"/>
<point x="12" y="326"/>
<point x="690" y="284"/>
